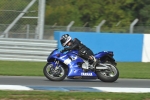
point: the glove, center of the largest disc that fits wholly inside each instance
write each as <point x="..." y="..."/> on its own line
<point x="65" y="49"/>
<point x="62" y="51"/>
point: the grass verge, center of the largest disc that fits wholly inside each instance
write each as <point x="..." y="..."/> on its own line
<point x="46" y="95"/>
<point x="137" y="70"/>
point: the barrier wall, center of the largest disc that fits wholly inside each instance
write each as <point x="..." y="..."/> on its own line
<point x="146" y="48"/>
<point x="126" y="47"/>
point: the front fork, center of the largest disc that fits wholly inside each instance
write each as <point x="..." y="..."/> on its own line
<point x="55" y="69"/>
<point x="56" y="64"/>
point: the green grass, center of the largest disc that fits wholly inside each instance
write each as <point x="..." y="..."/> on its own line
<point x="18" y="68"/>
<point x="46" y="95"/>
<point x="134" y="70"/>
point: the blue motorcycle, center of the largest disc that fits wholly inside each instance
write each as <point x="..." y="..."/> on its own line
<point x="69" y="64"/>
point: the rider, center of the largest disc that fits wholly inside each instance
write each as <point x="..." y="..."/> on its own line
<point x="75" y="44"/>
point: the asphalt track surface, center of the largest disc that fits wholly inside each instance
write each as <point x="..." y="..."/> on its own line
<point x="42" y="81"/>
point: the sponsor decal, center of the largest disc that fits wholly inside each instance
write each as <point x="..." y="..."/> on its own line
<point x="62" y="57"/>
<point x="86" y="74"/>
<point x="74" y="57"/>
<point x="67" y="61"/>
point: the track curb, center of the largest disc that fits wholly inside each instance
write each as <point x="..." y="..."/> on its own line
<point x="79" y="89"/>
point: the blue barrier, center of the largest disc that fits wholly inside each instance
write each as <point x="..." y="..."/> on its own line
<point x="126" y="47"/>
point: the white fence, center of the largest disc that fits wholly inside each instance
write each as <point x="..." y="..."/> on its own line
<point x="13" y="49"/>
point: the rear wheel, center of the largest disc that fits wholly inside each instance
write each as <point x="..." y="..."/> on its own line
<point x="54" y="73"/>
<point x="108" y="75"/>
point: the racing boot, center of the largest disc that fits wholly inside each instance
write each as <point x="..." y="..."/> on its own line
<point x="94" y="62"/>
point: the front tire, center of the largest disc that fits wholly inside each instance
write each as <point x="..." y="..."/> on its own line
<point x="54" y="74"/>
<point x="108" y="75"/>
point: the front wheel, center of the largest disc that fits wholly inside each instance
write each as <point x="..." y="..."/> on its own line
<point x="54" y="73"/>
<point x="108" y="75"/>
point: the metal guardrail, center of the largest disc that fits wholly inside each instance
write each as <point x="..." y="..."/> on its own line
<point x="13" y="49"/>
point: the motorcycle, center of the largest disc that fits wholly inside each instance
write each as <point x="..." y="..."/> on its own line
<point x="69" y="64"/>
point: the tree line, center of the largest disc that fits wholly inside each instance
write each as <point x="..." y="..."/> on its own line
<point x="89" y="13"/>
<point x="93" y="12"/>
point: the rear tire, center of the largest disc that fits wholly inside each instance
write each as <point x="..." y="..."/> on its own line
<point x="108" y="75"/>
<point x="50" y="72"/>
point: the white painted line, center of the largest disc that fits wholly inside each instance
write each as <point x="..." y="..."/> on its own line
<point x="14" y="87"/>
<point x="122" y="89"/>
<point x="102" y="89"/>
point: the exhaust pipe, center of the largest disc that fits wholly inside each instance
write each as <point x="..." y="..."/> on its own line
<point x="102" y="66"/>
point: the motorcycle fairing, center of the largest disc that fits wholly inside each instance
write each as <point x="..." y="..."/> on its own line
<point x="102" y="53"/>
<point x="71" y="60"/>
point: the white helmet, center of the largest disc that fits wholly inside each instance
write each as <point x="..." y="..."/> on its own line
<point x="65" y="39"/>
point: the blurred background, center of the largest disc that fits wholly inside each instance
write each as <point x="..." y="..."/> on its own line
<point x="121" y="24"/>
<point x="38" y="19"/>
